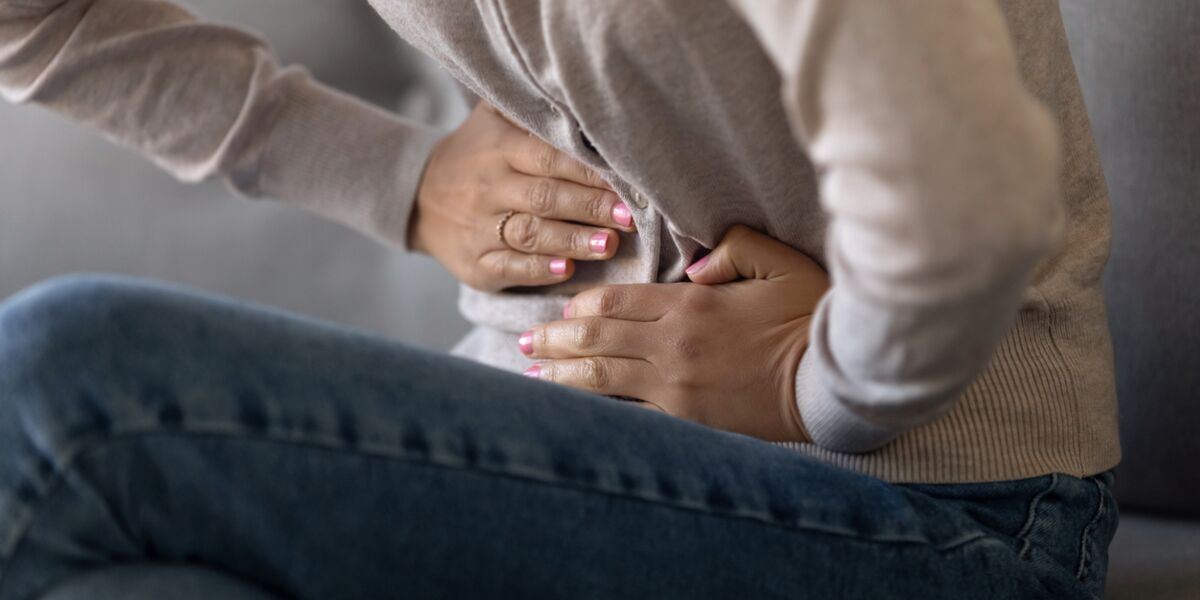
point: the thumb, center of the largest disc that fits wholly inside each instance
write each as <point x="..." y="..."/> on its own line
<point x="748" y="254"/>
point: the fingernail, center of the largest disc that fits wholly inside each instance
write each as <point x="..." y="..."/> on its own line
<point x="558" y="266"/>
<point x="535" y="371"/>
<point x="621" y="214"/>
<point x="599" y="243"/>
<point x="696" y="266"/>
<point x="567" y="310"/>
<point x="526" y="343"/>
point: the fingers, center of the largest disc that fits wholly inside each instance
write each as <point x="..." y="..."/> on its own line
<point x="747" y="254"/>
<point x="534" y="235"/>
<point x="592" y="336"/>
<point x="567" y="201"/>
<point x="600" y="374"/>
<point x="532" y="156"/>
<point x="633" y="302"/>
<point x="509" y="268"/>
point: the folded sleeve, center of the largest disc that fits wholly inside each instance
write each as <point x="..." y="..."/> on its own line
<point x="939" y="175"/>
<point x="202" y="99"/>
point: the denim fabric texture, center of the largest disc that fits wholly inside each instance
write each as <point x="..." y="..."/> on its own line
<point x="155" y="439"/>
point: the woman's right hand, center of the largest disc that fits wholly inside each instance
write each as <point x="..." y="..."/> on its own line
<point x="500" y="208"/>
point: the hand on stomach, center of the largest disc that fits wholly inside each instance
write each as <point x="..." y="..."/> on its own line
<point x="499" y="208"/>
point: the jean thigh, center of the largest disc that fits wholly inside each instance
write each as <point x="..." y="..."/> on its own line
<point x="1057" y="525"/>
<point x="142" y="423"/>
<point x="1071" y="527"/>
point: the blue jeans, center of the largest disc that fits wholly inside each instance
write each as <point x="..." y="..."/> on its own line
<point x="156" y="443"/>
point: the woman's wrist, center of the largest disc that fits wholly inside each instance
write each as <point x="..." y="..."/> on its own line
<point x="343" y="159"/>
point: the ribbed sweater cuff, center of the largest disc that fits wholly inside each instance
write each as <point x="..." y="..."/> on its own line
<point x="343" y="159"/>
<point x="830" y="423"/>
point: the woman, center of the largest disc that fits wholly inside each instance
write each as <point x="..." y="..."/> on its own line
<point x="945" y="410"/>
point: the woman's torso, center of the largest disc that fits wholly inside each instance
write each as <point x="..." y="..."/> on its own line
<point x="677" y="105"/>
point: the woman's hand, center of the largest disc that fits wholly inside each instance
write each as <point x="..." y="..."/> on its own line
<point x="500" y="208"/>
<point x="723" y="355"/>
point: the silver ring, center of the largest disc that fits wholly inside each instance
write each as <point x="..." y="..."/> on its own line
<point x="500" y="226"/>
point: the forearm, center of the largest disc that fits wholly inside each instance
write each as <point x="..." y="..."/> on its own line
<point x="939" y="175"/>
<point x="202" y="99"/>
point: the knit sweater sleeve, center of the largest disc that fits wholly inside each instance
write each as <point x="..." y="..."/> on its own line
<point x="939" y="174"/>
<point x="202" y="99"/>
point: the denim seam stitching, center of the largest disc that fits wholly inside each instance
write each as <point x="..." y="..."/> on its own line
<point x="1027" y="528"/>
<point x="80" y="447"/>
<point x="1084" y="540"/>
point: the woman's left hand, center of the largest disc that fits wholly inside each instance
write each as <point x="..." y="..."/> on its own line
<point x="723" y="354"/>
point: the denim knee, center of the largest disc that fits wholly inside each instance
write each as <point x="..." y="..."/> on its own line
<point x="62" y="318"/>
<point x="57" y="342"/>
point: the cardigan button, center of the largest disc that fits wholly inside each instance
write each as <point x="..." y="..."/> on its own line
<point x="639" y="201"/>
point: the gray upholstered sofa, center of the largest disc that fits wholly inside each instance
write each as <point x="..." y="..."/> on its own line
<point x="1140" y="66"/>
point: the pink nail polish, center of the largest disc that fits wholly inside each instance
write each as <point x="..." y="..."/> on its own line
<point x="558" y="266"/>
<point x="567" y="310"/>
<point x="534" y="372"/>
<point x="526" y="343"/>
<point x="599" y="243"/>
<point x="622" y="215"/>
<point x="696" y="266"/>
